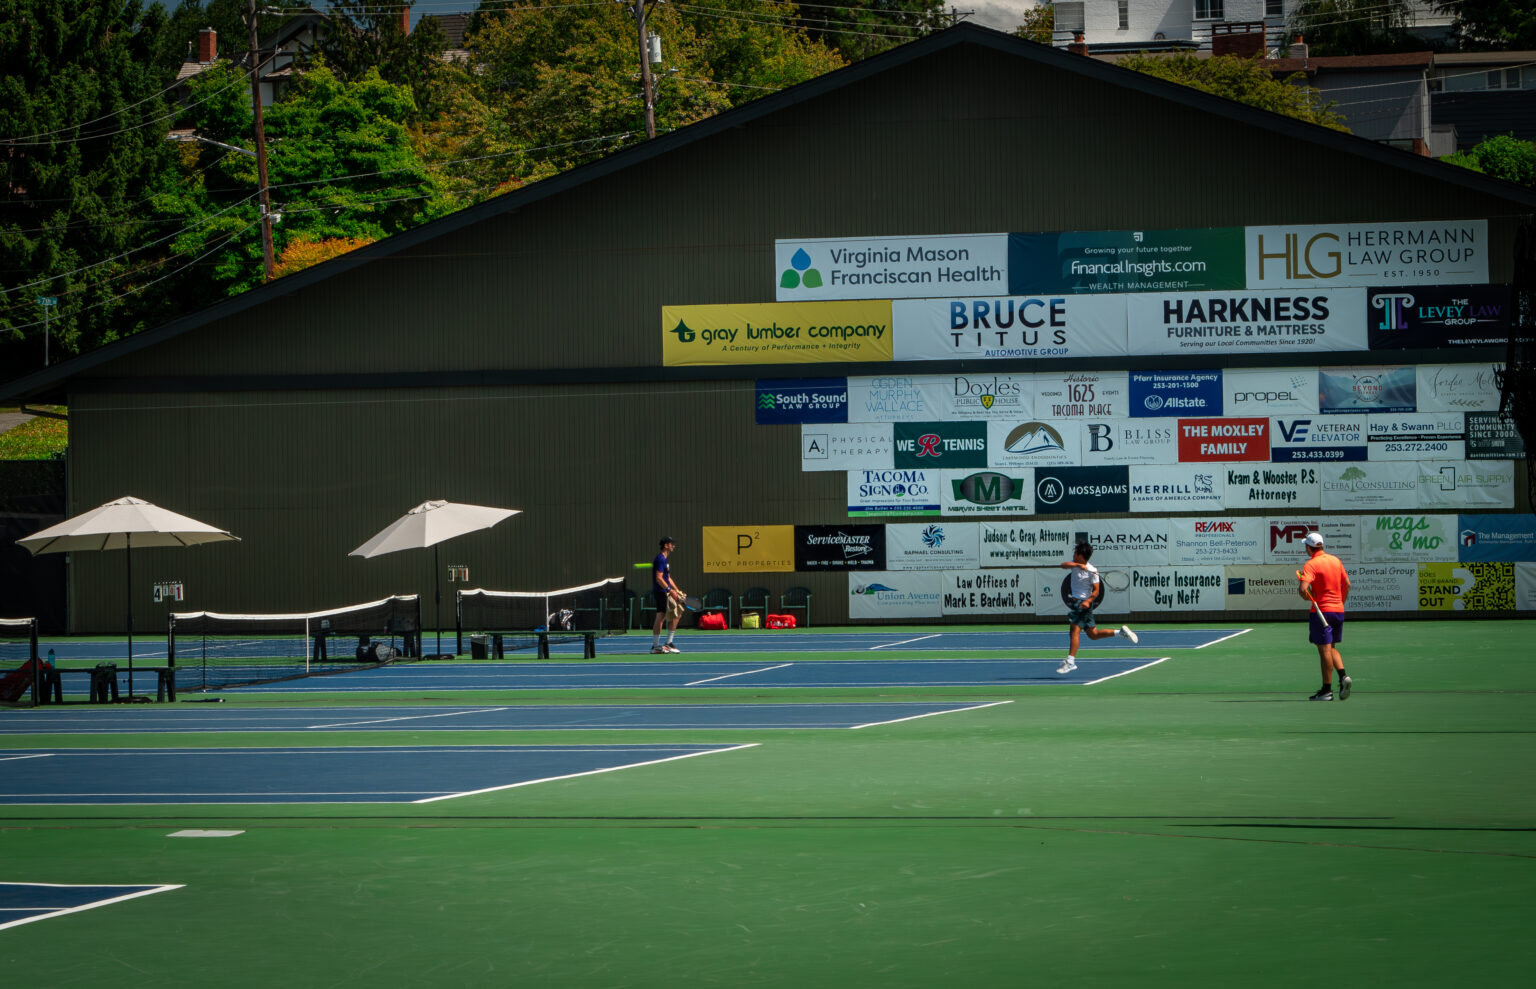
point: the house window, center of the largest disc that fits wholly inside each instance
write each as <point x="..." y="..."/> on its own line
<point x="1274" y="8"/>
<point x="1069" y="17"/>
<point x="1209" y="10"/>
<point x="1125" y="15"/>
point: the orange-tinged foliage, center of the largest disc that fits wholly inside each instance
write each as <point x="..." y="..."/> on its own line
<point x="301" y="254"/>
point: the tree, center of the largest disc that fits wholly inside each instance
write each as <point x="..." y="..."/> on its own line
<point x="177" y="39"/>
<point x="1038" y="24"/>
<point x="1244" y="80"/>
<point x="858" y="29"/>
<point x="1503" y="157"/>
<point x="363" y="37"/>
<point x="1356" y="27"/>
<point x="1492" y="25"/>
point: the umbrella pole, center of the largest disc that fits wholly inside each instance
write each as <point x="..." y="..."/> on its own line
<point x="437" y="598"/>
<point x="128" y="560"/>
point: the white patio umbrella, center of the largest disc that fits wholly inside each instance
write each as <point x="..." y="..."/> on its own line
<point x="124" y="524"/>
<point x="428" y="524"/>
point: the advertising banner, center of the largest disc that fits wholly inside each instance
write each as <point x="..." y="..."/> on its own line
<point x="1015" y="544"/>
<point x="788" y="401"/>
<point x="1272" y="486"/>
<point x="1247" y="322"/>
<point x="1286" y="540"/>
<point x="1289" y="391"/>
<point x="1048" y="599"/>
<point x="1128" y="441"/>
<point x="1466" y="587"/>
<point x="1082" y="490"/>
<point x="748" y="548"/>
<point x="1223" y="440"/>
<point x="776" y="333"/>
<point x="1310" y="439"/>
<point x="950" y="397"/>
<point x="893" y="492"/>
<point x="936" y="445"/>
<point x="1263" y="588"/>
<point x="933" y="546"/>
<point x="819" y="548"/>
<point x="1083" y="394"/>
<point x="1458" y="388"/>
<point x="1127" y="260"/>
<point x="1182" y="488"/>
<point x="1367" y="389"/>
<point x="1175" y="393"/>
<point x="1443" y="252"/>
<point x="1525" y="586"/>
<point x="852" y="446"/>
<point x="1495" y="538"/>
<point x="987" y="492"/>
<point x="1369" y="486"/>
<point x="1123" y="543"/>
<point x="1491" y="436"/>
<point x="1204" y="541"/>
<point x="891" y="595"/>
<point x="1012" y="444"/>
<point x="889" y="267"/>
<point x="1173" y="590"/>
<point x="1410" y="537"/>
<point x="1437" y="316"/>
<point x="1384" y="587"/>
<point x="1417" y="436"/>
<point x="1017" y="327"/>
<point x="996" y="593"/>
<point x="1476" y="484"/>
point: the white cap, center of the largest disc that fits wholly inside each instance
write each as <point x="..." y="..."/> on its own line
<point x="1315" y="540"/>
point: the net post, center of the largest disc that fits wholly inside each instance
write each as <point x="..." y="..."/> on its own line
<point x="170" y="639"/>
<point x="37" y="665"/>
<point x="458" y="622"/>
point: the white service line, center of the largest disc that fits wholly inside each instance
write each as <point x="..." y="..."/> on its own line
<point x="1225" y="638"/>
<point x="15" y="758"/>
<point x="930" y="714"/>
<point x="903" y="642"/>
<point x="589" y="772"/>
<point x="408" y="717"/>
<point x="743" y="673"/>
<point x="87" y="906"/>
<point x="1137" y="669"/>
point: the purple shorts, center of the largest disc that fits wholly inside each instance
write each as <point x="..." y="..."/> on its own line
<point x="1327" y="628"/>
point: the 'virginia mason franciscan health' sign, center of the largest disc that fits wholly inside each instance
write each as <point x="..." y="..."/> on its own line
<point x="890" y="267"/>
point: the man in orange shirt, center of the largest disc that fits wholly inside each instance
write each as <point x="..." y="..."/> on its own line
<point x="1324" y="583"/>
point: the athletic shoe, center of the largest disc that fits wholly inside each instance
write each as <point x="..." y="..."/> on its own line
<point x="657" y="650"/>
<point x="1322" y="695"/>
<point x="1125" y="630"/>
<point x="1069" y="666"/>
<point x="669" y="647"/>
<point x="1344" y="686"/>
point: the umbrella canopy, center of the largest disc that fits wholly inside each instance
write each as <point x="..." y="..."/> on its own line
<point x="430" y="523"/>
<point x="123" y="524"/>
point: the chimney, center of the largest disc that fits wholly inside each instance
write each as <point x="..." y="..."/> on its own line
<point x="1078" y="46"/>
<point x="207" y="45"/>
<point x="1298" y="50"/>
<point x="405" y="21"/>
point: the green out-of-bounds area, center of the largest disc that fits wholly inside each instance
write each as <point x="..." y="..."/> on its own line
<point x="1197" y="823"/>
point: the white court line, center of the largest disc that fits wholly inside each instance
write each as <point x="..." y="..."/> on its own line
<point x="930" y="714"/>
<point x="905" y="641"/>
<point x="589" y="772"/>
<point x="741" y="674"/>
<point x="410" y="717"/>
<point x="1136" y="669"/>
<point x="14" y="758"/>
<point x="86" y="906"/>
<point x="1226" y="637"/>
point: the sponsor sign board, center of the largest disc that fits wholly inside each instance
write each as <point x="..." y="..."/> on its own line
<point x="1492" y="436"/>
<point x="1082" y="490"/>
<point x="1417" y="436"/>
<point x="1409" y="537"/>
<point x="1311" y="439"/>
<point x="1248" y="322"/>
<point x="748" y="548"/>
<point x="1025" y="326"/>
<point x="1458" y="388"/>
<point x="787" y="401"/>
<point x="1384" y="587"/>
<point x="1012" y="443"/>
<point x="1123" y="543"/>
<point x="1222" y="441"/>
<point x="1175" y="393"/>
<point x="776" y="333"/>
<point x="932" y="546"/>
<point x="1367" y="389"/>
<point x="1127" y="260"/>
<point x="1262" y="588"/>
<point x="1009" y="491"/>
<point x="1127" y="441"/>
<point x="1492" y="538"/>
<point x="901" y="594"/>
<point x="1525" y="586"/>
<point x="1083" y="394"/>
<point x="1271" y="486"/>
<point x="927" y="397"/>
<point x="851" y="446"/>
<point x="1369" y="486"/>
<point x="1286" y="537"/>
<point x="1439" y="252"/>
<point x="1178" y="589"/>
<point x="893" y="492"/>
<point x="890" y="267"/>
<point x="1048" y="594"/>
<point x="819" y="548"/>
<point x="1192" y="488"/>
<point x="1027" y="543"/>
<point x="1466" y="587"/>
<point x="1475" y="484"/>
<point x="1269" y="392"/>
<point x="1228" y="540"/>
<point x="1436" y="316"/>
<point x="937" y="445"/>
<point x="988" y="592"/>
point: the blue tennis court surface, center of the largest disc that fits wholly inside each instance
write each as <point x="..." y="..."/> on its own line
<point x="22" y="903"/>
<point x="392" y="774"/>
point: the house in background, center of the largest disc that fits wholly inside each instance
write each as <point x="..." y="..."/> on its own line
<point x="1478" y="95"/>
<point x="1172" y="25"/>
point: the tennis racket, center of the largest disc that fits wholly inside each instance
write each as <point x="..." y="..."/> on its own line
<point x="692" y="604"/>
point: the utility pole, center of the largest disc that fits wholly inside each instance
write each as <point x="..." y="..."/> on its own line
<point x="645" y="68"/>
<point x="261" y="147"/>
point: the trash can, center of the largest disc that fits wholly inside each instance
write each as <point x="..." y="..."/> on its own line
<point x="479" y="647"/>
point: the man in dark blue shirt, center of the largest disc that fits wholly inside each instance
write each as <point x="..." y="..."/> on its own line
<point x="666" y="596"/>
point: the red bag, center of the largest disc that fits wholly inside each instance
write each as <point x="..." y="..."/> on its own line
<point x="780" y="621"/>
<point x="712" y="619"/>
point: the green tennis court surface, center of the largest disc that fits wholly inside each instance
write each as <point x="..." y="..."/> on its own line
<point x="1196" y="823"/>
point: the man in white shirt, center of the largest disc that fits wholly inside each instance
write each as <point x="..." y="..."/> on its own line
<point x="1084" y="594"/>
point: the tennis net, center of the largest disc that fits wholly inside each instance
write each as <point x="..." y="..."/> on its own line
<point x="517" y="617"/>
<point x="212" y="650"/>
<point x="18" y="645"/>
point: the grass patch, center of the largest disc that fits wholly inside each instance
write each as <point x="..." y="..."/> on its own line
<point x="39" y="438"/>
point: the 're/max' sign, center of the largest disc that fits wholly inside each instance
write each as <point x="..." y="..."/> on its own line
<point x="1223" y="440"/>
